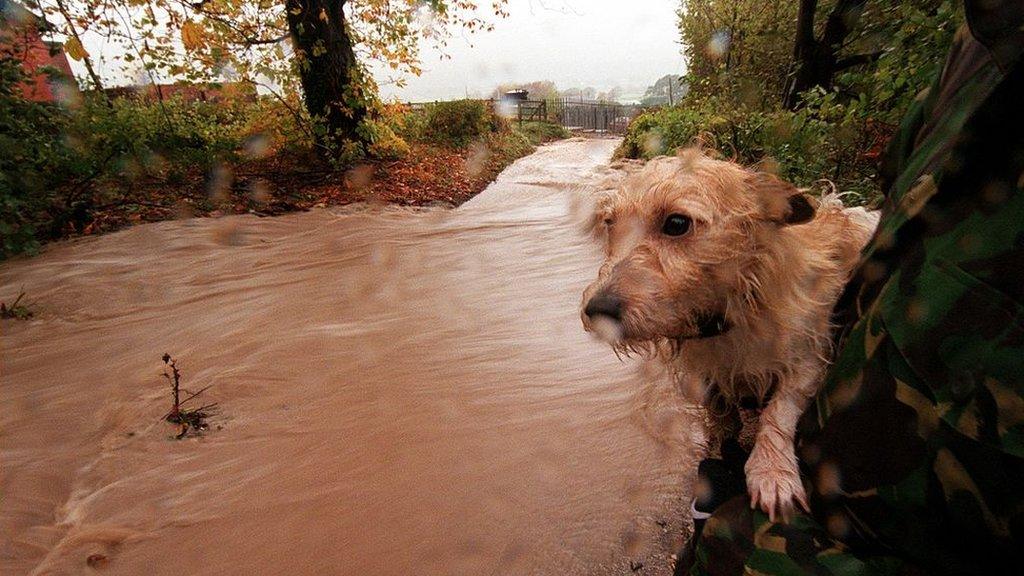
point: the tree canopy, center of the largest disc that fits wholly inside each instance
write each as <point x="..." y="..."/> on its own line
<point x="280" y="45"/>
<point x="669" y="89"/>
<point x="538" y="89"/>
<point x="761" y="54"/>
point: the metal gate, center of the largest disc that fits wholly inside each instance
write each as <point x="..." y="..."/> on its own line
<point x="595" y="116"/>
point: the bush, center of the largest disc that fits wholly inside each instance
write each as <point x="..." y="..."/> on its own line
<point x="740" y="57"/>
<point x="34" y="159"/>
<point x="916" y="37"/>
<point x="507" y="145"/>
<point x="60" y="164"/>
<point x="541" y="132"/>
<point x="382" y="142"/>
<point x="822" y="142"/>
<point x="176" y="132"/>
<point x="65" y="169"/>
<point x="405" y="122"/>
<point x="458" y="123"/>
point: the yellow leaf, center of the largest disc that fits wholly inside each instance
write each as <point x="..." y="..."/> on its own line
<point x="323" y="15"/>
<point x="193" y="37"/>
<point x="74" y="49"/>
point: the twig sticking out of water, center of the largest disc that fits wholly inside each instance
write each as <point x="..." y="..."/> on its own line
<point x="16" y="310"/>
<point x="189" y="419"/>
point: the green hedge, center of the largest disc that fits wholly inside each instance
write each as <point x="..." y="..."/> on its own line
<point x="541" y="132"/>
<point x="457" y="123"/>
<point x="34" y="158"/>
<point x="58" y="162"/>
<point x="817" y="143"/>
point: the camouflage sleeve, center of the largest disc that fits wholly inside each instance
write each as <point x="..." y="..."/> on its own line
<point x="739" y="540"/>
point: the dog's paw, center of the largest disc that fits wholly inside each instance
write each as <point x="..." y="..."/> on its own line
<point x="774" y="486"/>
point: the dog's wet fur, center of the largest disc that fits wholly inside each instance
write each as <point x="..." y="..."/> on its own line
<point x="729" y="275"/>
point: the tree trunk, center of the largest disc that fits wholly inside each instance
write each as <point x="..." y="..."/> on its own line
<point x="815" y="58"/>
<point x="332" y="82"/>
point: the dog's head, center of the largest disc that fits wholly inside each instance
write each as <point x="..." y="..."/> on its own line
<point x="682" y="237"/>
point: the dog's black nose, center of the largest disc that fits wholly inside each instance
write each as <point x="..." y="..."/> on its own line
<point x="606" y="305"/>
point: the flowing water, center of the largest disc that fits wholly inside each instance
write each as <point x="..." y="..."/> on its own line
<point x="397" y="392"/>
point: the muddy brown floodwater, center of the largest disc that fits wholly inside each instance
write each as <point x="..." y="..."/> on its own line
<point x="398" y="393"/>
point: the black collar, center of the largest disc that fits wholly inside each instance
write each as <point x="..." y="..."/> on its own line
<point x="711" y="324"/>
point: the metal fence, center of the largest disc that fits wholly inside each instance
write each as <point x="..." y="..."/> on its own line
<point x="528" y="110"/>
<point x="595" y="116"/>
<point x="572" y="114"/>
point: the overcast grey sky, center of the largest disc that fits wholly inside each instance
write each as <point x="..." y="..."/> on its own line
<point x="575" y="43"/>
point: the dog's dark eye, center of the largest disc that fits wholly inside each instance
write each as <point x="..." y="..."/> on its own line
<point x="676" y="225"/>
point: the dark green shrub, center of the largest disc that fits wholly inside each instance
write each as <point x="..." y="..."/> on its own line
<point x="508" y="145"/>
<point x="59" y="164"/>
<point x="541" y="132"/>
<point x="459" y="122"/>
<point x="409" y="124"/>
<point x="735" y="98"/>
<point x="821" y="142"/>
<point x="34" y="159"/>
<point x="382" y="141"/>
<point x="177" y="132"/>
<point x="456" y="123"/>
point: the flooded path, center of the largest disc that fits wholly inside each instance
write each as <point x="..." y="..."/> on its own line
<point x="398" y="393"/>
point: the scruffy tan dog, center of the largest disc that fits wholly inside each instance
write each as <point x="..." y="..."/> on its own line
<point x="729" y="275"/>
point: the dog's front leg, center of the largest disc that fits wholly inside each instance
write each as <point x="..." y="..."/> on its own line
<point x="773" y="475"/>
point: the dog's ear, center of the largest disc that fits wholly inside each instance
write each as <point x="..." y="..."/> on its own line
<point x="780" y="201"/>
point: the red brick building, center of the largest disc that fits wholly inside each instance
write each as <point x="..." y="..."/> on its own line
<point x="201" y="92"/>
<point x="21" y="37"/>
